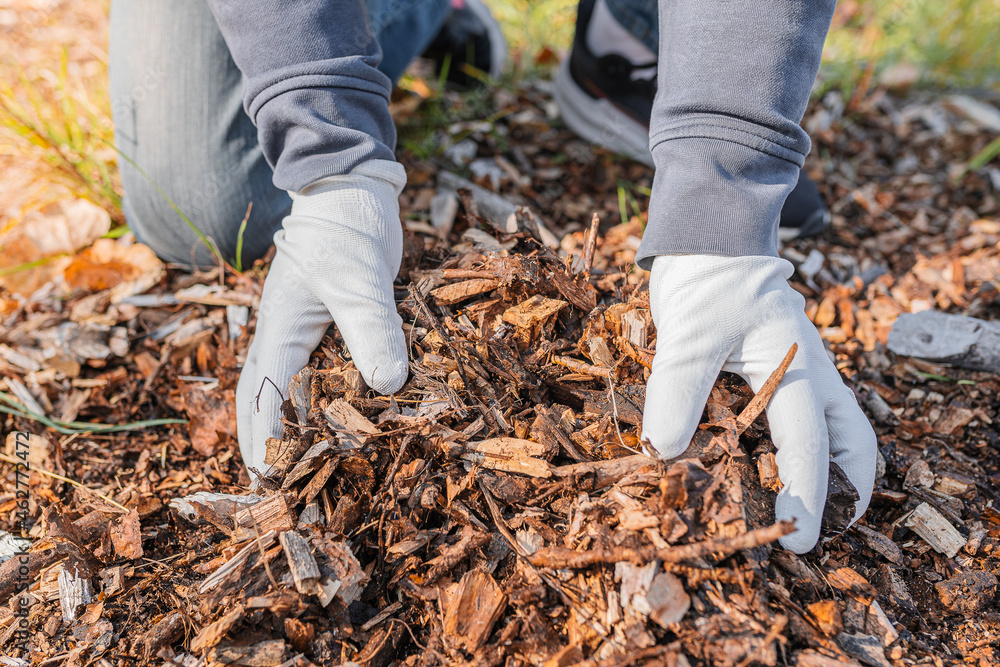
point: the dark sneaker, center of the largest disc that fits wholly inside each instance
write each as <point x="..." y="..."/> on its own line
<point x="804" y="213"/>
<point x="473" y="40"/>
<point x="600" y="100"/>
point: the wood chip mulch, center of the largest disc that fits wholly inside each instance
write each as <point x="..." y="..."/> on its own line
<point x="498" y="510"/>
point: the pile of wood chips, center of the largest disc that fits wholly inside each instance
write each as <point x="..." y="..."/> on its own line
<point x="499" y="509"/>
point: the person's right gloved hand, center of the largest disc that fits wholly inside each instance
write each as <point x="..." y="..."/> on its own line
<point x="739" y="314"/>
<point x="338" y="252"/>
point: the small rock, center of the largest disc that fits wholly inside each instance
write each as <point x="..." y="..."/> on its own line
<point x="462" y="152"/>
<point x="487" y="168"/>
<point x="865" y="648"/>
<point x="968" y="592"/>
<point x="813" y="263"/>
<point x="444" y="208"/>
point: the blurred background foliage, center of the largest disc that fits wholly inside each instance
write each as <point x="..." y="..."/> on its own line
<point x="924" y="43"/>
<point x="927" y="43"/>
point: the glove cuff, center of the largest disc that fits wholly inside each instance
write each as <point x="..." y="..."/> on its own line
<point x="372" y="175"/>
<point x="701" y="267"/>
<point x="365" y="201"/>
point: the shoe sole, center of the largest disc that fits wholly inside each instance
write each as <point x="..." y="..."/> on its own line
<point x="816" y="223"/>
<point x="598" y="120"/>
<point x="498" y="45"/>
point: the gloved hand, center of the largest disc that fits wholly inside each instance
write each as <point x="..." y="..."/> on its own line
<point x="739" y="314"/>
<point x="338" y="253"/>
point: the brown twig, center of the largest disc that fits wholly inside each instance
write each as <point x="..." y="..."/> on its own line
<point x="581" y="367"/>
<point x="589" y="246"/>
<point x="763" y="397"/>
<point x="558" y="558"/>
<point x="465" y="274"/>
<point x="696" y="575"/>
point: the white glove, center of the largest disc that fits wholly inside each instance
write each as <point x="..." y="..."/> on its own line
<point x="338" y="253"/>
<point x="740" y="315"/>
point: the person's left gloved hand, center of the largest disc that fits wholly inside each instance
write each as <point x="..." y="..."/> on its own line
<point x="338" y="252"/>
<point x="739" y="314"/>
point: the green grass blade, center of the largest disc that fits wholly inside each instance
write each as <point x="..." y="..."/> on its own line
<point x="622" y="210"/>
<point x="170" y="202"/>
<point x="239" y="240"/>
<point x="983" y="157"/>
<point x="29" y="265"/>
<point x="71" y="428"/>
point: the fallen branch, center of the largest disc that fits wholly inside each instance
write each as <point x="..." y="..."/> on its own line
<point x="558" y="558"/>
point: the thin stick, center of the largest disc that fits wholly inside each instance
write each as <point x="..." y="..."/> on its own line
<point x="558" y="558"/>
<point x="763" y="397"/>
<point x="53" y="475"/>
<point x="78" y="428"/>
<point x="581" y="367"/>
<point x="589" y="246"/>
<point x="458" y="274"/>
<point x="696" y="575"/>
<point x="614" y="415"/>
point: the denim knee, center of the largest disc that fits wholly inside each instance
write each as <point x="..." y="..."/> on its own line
<point x="188" y="148"/>
<point x="215" y="202"/>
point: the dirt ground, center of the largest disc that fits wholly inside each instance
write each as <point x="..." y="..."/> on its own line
<point x="495" y="511"/>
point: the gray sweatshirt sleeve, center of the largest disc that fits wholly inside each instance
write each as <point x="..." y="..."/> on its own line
<point x="310" y="84"/>
<point x="734" y="79"/>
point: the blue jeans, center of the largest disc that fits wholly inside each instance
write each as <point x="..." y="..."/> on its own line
<point x="178" y="111"/>
<point x="639" y="17"/>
